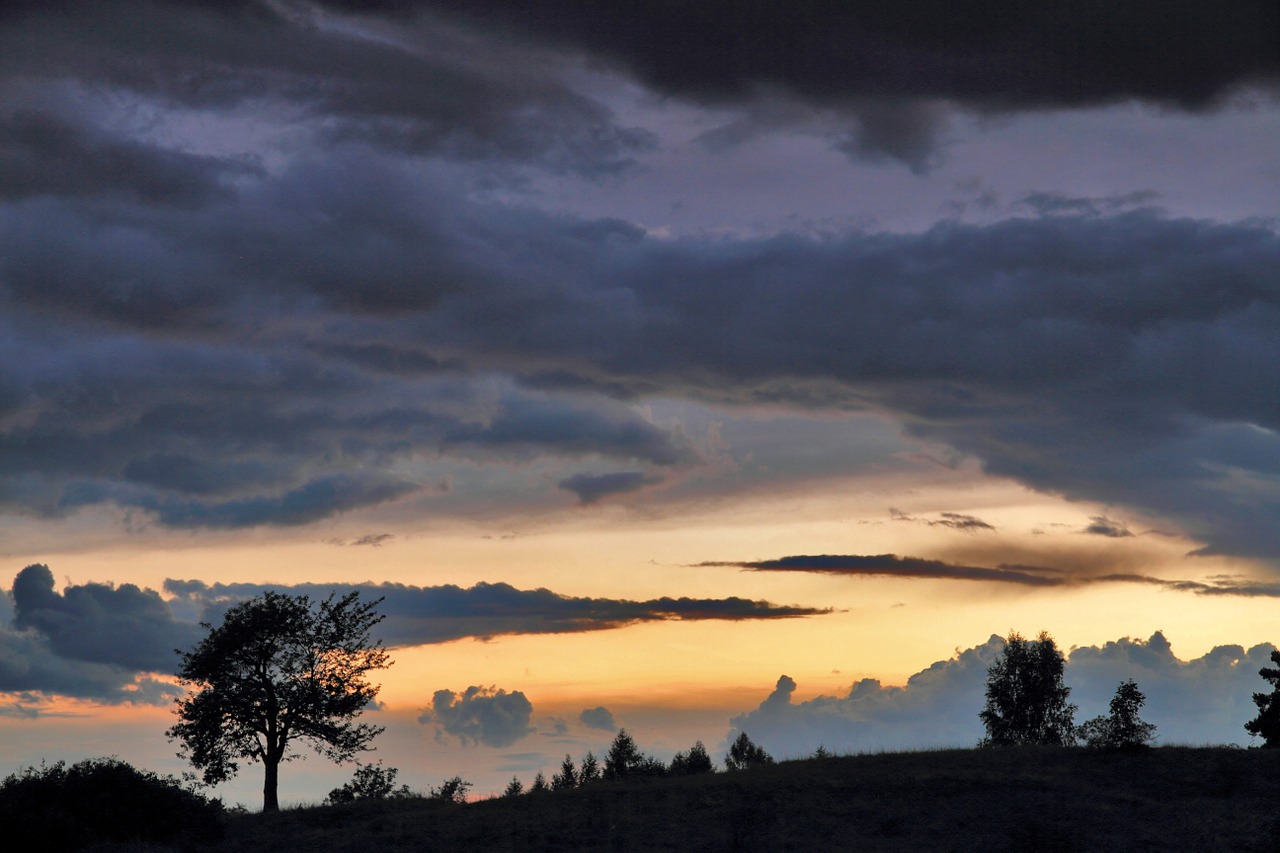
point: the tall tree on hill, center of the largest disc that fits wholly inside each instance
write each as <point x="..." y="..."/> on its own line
<point x="1267" y="724"/>
<point x="1026" y="699"/>
<point x="277" y="671"/>
<point x="1122" y="728"/>
<point x="744" y="754"/>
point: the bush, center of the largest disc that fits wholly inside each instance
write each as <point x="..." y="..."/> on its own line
<point x="101" y="800"/>
<point x="1122" y="728"/>
<point x="370" y="782"/>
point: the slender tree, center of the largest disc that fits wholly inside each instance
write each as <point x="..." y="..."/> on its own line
<point x="567" y="777"/>
<point x="275" y="672"/>
<point x="590" y="770"/>
<point x="1026" y="699"/>
<point x="1267" y="724"/>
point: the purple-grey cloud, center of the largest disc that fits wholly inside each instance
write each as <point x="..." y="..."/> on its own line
<point x="481" y="716"/>
<point x="1203" y="700"/>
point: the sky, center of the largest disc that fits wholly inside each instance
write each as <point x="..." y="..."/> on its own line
<point x="689" y="368"/>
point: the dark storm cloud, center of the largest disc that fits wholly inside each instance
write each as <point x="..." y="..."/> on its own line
<point x="592" y="487"/>
<point x="440" y="614"/>
<point x="1204" y="700"/>
<point x="42" y="154"/>
<point x="91" y="641"/>
<point x="420" y="88"/>
<point x="98" y="641"/>
<point x="886" y="66"/>
<point x="480" y="715"/>
<point x="121" y="625"/>
<point x="600" y="718"/>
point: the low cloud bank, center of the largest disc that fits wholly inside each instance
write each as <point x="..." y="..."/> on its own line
<point x="1204" y="700"/>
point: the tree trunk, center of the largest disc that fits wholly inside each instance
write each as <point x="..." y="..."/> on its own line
<point x="270" y="784"/>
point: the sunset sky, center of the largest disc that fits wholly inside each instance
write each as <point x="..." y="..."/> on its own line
<point x="688" y="367"/>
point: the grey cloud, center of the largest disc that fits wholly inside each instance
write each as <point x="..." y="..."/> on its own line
<point x="892" y="565"/>
<point x="117" y="625"/>
<point x="889" y="66"/>
<point x="43" y="154"/>
<point x="439" y="614"/>
<point x="1204" y="700"/>
<point x="418" y="89"/>
<point x="600" y="718"/>
<point x="592" y="487"/>
<point x="481" y="715"/>
<point x="1100" y="525"/>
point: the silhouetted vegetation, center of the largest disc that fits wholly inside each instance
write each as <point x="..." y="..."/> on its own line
<point x="696" y="760"/>
<point x="60" y="808"/>
<point x="274" y="672"/>
<point x="1026" y="699"/>
<point x="625" y="761"/>
<point x="1028" y="799"/>
<point x="369" y="782"/>
<point x="1121" y="728"/>
<point x="743" y="754"/>
<point x="1267" y="724"/>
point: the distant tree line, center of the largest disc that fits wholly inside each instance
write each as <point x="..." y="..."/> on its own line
<point x="625" y="761"/>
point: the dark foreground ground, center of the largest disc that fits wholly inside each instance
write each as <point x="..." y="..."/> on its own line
<point x="1167" y="799"/>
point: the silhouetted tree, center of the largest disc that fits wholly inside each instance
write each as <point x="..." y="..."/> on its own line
<point x="590" y="770"/>
<point x="744" y="754"/>
<point x="567" y="777"/>
<point x="451" y="790"/>
<point x="623" y="757"/>
<point x="821" y="752"/>
<point x="1267" y="724"/>
<point x="274" y="672"/>
<point x="539" y="784"/>
<point x="1121" y="728"/>
<point x="1026" y="699"/>
<point x="514" y="788"/>
<point x="370" y="782"/>
<point x="694" y="761"/>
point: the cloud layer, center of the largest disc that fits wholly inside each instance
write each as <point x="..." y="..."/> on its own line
<point x="103" y="642"/>
<point x="295" y="264"/>
<point x="1202" y="701"/>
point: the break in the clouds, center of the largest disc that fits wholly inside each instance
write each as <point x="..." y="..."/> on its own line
<point x="481" y="716"/>
<point x="1204" y="700"/>
<point x="262" y="264"/>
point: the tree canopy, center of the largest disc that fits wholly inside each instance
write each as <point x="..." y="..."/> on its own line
<point x="275" y="672"/>
<point x="1122" y="728"/>
<point x="1267" y="724"/>
<point x="1026" y="699"/>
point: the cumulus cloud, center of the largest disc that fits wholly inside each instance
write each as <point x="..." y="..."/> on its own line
<point x="1204" y="700"/>
<point x="481" y="716"/>
<point x="600" y="718"/>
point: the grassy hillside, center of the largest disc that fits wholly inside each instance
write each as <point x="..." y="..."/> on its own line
<point x="1009" y="799"/>
<point x="991" y="800"/>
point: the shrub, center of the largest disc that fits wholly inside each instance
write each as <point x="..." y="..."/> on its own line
<point x="102" y="800"/>
<point x="370" y="782"/>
